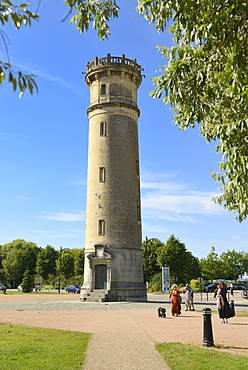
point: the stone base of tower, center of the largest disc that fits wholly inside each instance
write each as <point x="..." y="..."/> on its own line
<point x="128" y="293"/>
<point x="113" y="275"/>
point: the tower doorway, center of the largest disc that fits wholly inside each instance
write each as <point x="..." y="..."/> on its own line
<point x="101" y="276"/>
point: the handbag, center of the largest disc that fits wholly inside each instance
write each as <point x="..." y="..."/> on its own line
<point x="179" y="298"/>
<point x="231" y="310"/>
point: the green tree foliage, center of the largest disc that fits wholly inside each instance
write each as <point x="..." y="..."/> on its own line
<point x="78" y="256"/>
<point x="155" y="284"/>
<point x="1" y="257"/>
<point x="97" y="12"/>
<point x="3" y="278"/>
<point x="245" y="262"/>
<point x="205" y="81"/>
<point x="211" y="266"/>
<point x="150" y="248"/>
<point x="205" y="78"/>
<point x="18" y="16"/>
<point x="46" y="262"/>
<point x="196" y="285"/>
<point x="12" y="267"/>
<point x="229" y="265"/>
<point x="19" y="256"/>
<point x="193" y="268"/>
<point x="84" y="12"/>
<point x="183" y="265"/>
<point x="234" y="264"/>
<point x="65" y="263"/>
<point x="27" y="283"/>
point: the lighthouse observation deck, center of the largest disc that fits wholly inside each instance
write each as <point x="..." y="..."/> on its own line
<point x="113" y="61"/>
<point x="113" y="82"/>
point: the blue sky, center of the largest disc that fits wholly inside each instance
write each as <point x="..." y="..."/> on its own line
<point x="44" y="142"/>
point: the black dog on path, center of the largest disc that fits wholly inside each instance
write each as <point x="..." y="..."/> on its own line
<point x="162" y="312"/>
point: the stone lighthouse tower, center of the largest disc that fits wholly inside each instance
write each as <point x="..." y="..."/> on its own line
<point x="113" y="256"/>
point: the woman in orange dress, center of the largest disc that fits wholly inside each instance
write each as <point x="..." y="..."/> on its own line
<point x="175" y="303"/>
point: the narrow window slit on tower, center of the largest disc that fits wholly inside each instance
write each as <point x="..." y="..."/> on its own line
<point x="102" y="174"/>
<point x="138" y="212"/>
<point x="102" y="128"/>
<point x="101" y="227"/>
<point x="103" y="89"/>
<point x="137" y="167"/>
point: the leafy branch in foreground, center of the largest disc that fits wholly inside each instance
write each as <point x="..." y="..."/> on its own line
<point x="98" y="12"/>
<point x="19" y="16"/>
<point x="205" y="79"/>
<point x="17" y="79"/>
<point x="205" y="82"/>
<point x="16" y="14"/>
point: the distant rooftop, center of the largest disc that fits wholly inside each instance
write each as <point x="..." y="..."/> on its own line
<point x="110" y="60"/>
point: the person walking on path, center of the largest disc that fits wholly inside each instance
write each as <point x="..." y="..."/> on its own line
<point x="187" y="299"/>
<point x="175" y="300"/>
<point x="191" y="292"/>
<point x="223" y="306"/>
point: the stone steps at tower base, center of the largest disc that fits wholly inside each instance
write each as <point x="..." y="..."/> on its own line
<point x="114" y="295"/>
<point x="95" y="296"/>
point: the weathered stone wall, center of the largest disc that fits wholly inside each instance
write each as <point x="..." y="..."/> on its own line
<point x="117" y="200"/>
<point x="113" y="218"/>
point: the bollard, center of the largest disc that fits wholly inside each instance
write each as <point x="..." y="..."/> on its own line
<point x="232" y="307"/>
<point x="207" y="328"/>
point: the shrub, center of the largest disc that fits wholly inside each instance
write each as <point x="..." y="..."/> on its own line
<point x="155" y="284"/>
<point x="196" y="285"/>
<point x="27" y="283"/>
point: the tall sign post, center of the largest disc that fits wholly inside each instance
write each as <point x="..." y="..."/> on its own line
<point x="166" y="279"/>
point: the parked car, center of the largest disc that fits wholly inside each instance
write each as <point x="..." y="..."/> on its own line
<point x="74" y="288"/>
<point x="238" y="286"/>
<point x="211" y="287"/>
<point x="3" y="288"/>
<point x="218" y="280"/>
<point x="205" y="284"/>
<point x="244" y="294"/>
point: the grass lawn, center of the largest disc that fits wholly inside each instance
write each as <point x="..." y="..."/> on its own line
<point x="187" y="357"/>
<point x="241" y="313"/>
<point x="25" y="348"/>
<point x="237" y="313"/>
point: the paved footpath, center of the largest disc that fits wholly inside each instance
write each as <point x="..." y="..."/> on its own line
<point x="124" y="333"/>
<point x="120" y="343"/>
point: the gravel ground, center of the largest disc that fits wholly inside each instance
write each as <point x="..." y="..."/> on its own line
<point x="71" y="302"/>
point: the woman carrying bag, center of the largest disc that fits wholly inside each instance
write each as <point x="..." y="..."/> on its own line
<point x="225" y="311"/>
